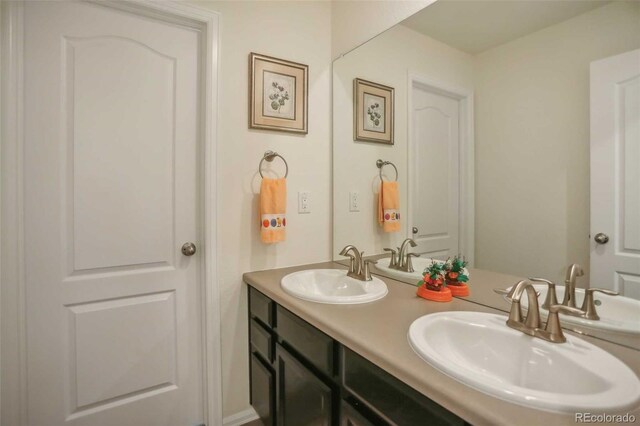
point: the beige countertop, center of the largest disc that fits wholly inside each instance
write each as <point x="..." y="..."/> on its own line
<point x="378" y="332"/>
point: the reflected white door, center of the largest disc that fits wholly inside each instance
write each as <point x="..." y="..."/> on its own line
<point x="615" y="173"/>
<point x="435" y="178"/>
<point x="111" y="194"/>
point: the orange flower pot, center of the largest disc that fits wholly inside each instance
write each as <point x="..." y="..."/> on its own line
<point x="443" y="295"/>
<point x="459" y="289"/>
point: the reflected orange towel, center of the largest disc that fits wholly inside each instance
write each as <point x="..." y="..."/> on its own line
<point x="273" y="208"/>
<point x="389" y="207"/>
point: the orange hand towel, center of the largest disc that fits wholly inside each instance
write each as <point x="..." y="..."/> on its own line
<point x="389" y="207"/>
<point x="273" y="208"/>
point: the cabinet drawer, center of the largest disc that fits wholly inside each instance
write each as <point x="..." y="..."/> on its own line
<point x="261" y="307"/>
<point x="391" y="399"/>
<point x="306" y="340"/>
<point x="261" y="340"/>
<point x="263" y="391"/>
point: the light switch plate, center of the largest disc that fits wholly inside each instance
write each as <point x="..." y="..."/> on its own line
<point x="354" y="202"/>
<point x="304" y="202"/>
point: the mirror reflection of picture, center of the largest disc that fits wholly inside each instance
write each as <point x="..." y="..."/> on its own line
<point x="373" y="112"/>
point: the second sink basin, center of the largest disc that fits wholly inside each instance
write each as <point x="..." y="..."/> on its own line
<point x="479" y="350"/>
<point x="332" y="286"/>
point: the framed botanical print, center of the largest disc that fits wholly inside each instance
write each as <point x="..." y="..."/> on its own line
<point x="278" y="94"/>
<point x="373" y="112"/>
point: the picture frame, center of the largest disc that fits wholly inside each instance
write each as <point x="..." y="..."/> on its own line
<point x="373" y="112"/>
<point x="278" y="94"/>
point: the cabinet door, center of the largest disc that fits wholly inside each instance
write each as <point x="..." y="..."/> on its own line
<point x="262" y="390"/>
<point x="303" y="399"/>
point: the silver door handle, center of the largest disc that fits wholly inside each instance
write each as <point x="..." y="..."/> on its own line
<point x="601" y="238"/>
<point x="188" y="249"/>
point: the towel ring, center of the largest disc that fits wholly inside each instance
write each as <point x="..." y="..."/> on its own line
<point x="380" y="164"/>
<point x="269" y="156"/>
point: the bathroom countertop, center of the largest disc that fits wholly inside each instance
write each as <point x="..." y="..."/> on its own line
<point x="378" y="332"/>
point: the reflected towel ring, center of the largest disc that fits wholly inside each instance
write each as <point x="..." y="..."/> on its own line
<point x="380" y="164"/>
<point x="269" y="156"/>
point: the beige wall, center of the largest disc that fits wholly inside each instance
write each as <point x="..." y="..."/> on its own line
<point x="386" y="60"/>
<point x="298" y="31"/>
<point x="355" y="22"/>
<point x="532" y="142"/>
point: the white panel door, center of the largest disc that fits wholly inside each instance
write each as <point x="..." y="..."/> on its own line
<point x="615" y="173"/>
<point x="435" y="177"/>
<point x="111" y="194"/>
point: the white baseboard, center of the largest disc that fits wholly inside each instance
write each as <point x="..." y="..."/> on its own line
<point x="240" y="418"/>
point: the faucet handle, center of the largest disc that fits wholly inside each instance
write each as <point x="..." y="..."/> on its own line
<point x="553" y="330"/>
<point x="394" y="260"/>
<point x="409" y="264"/>
<point x="589" y="306"/>
<point x="367" y="269"/>
<point x="552" y="298"/>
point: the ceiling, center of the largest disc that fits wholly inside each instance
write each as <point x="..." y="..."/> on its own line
<point x="474" y="26"/>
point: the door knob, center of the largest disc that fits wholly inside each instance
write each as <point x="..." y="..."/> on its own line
<point x="415" y="230"/>
<point x="601" y="238"/>
<point x="188" y="249"/>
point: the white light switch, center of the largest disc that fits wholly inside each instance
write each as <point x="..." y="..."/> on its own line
<point x="354" y="202"/>
<point x="304" y="202"/>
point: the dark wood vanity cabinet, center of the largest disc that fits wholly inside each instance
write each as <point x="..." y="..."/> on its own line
<point x="302" y="377"/>
<point x="302" y="397"/>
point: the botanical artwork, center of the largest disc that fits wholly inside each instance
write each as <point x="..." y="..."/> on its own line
<point x="278" y="94"/>
<point x="375" y="113"/>
<point x="372" y="112"/>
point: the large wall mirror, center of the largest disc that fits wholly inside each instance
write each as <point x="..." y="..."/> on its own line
<point x="515" y="137"/>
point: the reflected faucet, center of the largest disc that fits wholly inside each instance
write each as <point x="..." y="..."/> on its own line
<point x="404" y="258"/>
<point x="573" y="273"/>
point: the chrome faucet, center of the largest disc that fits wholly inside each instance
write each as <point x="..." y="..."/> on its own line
<point x="532" y="325"/>
<point x="358" y="267"/>
<point x="573" y="273"/>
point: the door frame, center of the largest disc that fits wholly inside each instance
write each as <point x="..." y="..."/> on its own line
<point x="466" y="201"/>
<point x="13" y="392"/>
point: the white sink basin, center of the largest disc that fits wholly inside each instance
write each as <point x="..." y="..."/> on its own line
<point x="479" y="350"/>
<point x="332" y="286"/>
<point x="617" y="313"/>
<point x="419" y="264"/>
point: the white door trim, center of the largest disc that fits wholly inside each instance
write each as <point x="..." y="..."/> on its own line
<point x="12" y="290"/>
<point x="467" y="154"/>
